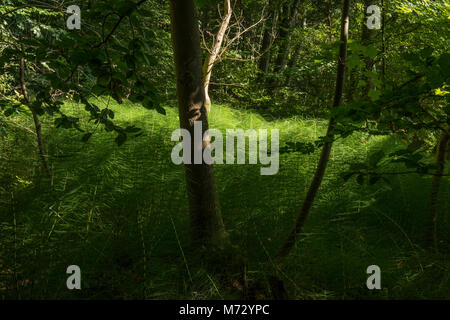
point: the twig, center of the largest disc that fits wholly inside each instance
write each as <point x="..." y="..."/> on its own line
<point x="19" y="125"/>
<point x="121" y="17"/>
<point x="240" y="85"/>
<point x="237" y="37"/>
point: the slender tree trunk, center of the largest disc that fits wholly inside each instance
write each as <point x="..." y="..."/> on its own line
<point x="383" y="44"/>
<point x="325" y="155"/>
<point x="263" y="63"/>
<point x="296" y="53"/>
<point x="215" y="50"/>
<point x="264" y="60"/>
<point x="205" y="216"/>
<point x="286" y="29"/>
<point x="441" y="152"/>
<point x="330" y="20"/>
<point x="353" y="84"/>
<point x="285" y="38"/>
<point x="292" y="24"/>
<point x="366" y="40"/>
<point x="292" y="63"/>
<point x="383" y="56"/>
<point x="37" y="124"/>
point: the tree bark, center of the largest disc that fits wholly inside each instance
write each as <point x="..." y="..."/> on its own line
<point x="441" y="152"/>
<point x="286" y="29"/>
<point x="326" y="149"/>
<point x="212" y="56"/>
<point x="352" y="86"/>
<point x="330" y="20"/>
<point x="366" y="40"/>
<point x="293" y="63"/>
<point x="37" y="124"/>
<point x="285" y="35"/>
<point x="296" y="53"/>
<point x="205" y="217"/>
<point x="383" y="44"/>
<point x="264" y="60"/>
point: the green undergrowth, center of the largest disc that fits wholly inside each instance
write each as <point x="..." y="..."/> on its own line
<point x="120" y="213"/>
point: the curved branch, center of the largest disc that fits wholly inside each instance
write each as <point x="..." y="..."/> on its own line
<point x="121" y="17"/>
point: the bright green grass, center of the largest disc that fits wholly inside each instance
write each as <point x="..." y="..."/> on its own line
<point x="120" y="213"/>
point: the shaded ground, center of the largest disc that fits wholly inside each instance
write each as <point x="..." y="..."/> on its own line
<point x="120" y="213"/>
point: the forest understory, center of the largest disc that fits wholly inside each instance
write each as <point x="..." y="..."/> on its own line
<point x="113" y="184"/>
<point x="122" y="218"/>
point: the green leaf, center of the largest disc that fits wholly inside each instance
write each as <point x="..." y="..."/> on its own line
<point x="160" y="110"/>
<point x="386" y="180"/>
<point x="125" y="8"/>
<point x="370" y="51"/>
<point x="362" y="83"/>
<point x="86" y="137"/>
<point x="346" y="176"/>
<point x="371" y="74"/>
<point x="120" y="139"/>
<point x="374" y="179"/>
<point x="135" y="45"/>
<point x="131" y="61"/>
<point x="131" y="129"/>
<point x="103" y="80"/>
<point x="200" y="3"/>
<point x="358" y="166"/>
<point x="444" y="62"/>
<point x="9" y="112"/>
<point x="360" y="179"/>
<point x="375" y="158"/>
<point x="374" y="95"/>
<point x="426" y="52"/>
<point x="109" y="126"/>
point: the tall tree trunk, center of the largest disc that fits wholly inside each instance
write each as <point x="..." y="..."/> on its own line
<point x="285" y="35"/>
<point x="366" y="40"/>
<point x="215" y="50"/>
<point x="264" y="60"/>
<point x="205" y="217"/>
<point x="326" y="149"/>
<point x="37" y="124"/>
<point x="330" y="20"/>
<point x="352" y="86"/>
<point x="292" y="63"/>
<point x="383" y="44"/>
<point x="296" y="53"/>
<point x="383" y="56"/>
<point x="441" y="152"/>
